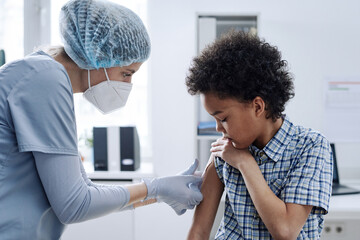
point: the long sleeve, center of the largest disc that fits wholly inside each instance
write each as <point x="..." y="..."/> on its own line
<point x="92" y="184"/>
<point x="84" y="175"/>
<point x="73" y="197"/>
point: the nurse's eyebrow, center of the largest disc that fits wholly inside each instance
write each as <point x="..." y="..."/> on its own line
<point x="215" y="113"/>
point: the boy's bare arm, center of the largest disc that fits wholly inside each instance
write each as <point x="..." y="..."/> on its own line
<point x="212" y="189"/>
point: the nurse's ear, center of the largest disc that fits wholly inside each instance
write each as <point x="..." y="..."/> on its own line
<point x="259" y="106"/>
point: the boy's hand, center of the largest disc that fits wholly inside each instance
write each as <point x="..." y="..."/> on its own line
<point x="224" y="149"/>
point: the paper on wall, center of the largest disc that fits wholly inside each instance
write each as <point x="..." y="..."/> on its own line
<point x="342" y="109"/>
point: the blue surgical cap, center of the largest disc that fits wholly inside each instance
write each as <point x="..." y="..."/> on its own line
<point x="101" y="34"/>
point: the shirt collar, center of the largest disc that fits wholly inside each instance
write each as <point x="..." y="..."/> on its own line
<point x="276" y="146"/>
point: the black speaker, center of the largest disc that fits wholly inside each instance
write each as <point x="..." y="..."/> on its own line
<point x="2" y="57"/>
<point x="129" y="149"/>
<point x="100" y="149"/>
<point x="116" y="149"/>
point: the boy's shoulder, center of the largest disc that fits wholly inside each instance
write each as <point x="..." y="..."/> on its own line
<point x="310" y="135"/>
<point x="305" y="138"/>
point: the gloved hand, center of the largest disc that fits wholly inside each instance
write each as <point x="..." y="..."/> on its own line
<point x="181" y="192"/>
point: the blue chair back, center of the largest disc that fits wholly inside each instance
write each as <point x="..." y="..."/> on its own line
<point x="2" y="57"/>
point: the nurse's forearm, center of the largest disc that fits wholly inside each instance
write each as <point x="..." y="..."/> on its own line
<point x="138" y="192"/>
<point x="71" y="198"/>
<point x="144" y="203"/>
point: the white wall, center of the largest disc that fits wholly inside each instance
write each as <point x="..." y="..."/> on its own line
<point x="318" y="38"/>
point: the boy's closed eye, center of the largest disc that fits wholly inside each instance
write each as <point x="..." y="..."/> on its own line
<point x="223" y="120"/>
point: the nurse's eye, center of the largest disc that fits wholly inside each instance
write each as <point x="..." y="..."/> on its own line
<point x="127" y="75"/>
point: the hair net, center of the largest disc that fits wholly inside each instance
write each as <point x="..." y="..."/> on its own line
<point x="101" y="34"/>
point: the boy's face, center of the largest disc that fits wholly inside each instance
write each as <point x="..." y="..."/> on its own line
<point x="237" y="121"/>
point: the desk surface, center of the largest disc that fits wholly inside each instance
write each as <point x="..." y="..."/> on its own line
<point x="345" y="206"/>
<point x="145" y="171"/>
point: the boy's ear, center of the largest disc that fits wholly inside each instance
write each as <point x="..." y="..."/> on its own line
<point x="259" y="105"/>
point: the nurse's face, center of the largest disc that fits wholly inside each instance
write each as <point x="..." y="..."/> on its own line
<point x="122" y="74"/>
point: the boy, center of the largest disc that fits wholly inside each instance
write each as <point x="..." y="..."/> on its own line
<point x="277" y="176"/>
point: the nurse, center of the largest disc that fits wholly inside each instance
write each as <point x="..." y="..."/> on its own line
<point x="43" y="185"/>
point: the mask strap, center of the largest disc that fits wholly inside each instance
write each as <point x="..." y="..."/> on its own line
<point x="107" y="77"/>
<point x="89" y="78"/>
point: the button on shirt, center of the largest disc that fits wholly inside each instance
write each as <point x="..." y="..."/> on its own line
<point x="297" y="165"/>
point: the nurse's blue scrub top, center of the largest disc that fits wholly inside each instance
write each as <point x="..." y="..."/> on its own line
<point x="36" y="114"/>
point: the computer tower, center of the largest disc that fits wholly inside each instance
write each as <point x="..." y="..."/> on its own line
<point x="129" y="149"/>
<point x="100" y="149"/>
<point x="116" y="149"/>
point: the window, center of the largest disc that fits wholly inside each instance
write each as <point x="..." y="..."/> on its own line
<point x="135" y="113"/>
<point x="11" y="29"/>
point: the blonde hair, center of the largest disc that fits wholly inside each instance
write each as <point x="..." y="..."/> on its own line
<point x="55" y="51"/>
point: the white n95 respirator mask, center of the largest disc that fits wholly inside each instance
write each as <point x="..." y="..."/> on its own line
<point x="109" y="95"/>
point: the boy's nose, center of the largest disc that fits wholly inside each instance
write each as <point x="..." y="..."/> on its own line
<point x="219" y="127"/>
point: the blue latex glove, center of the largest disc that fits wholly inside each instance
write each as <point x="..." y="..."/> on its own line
<point x="181" y="192"/>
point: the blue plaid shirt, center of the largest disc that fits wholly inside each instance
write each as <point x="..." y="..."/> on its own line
<point x="297" y="165"/>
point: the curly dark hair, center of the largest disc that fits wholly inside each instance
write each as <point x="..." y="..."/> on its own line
<point x="241" y="66"/>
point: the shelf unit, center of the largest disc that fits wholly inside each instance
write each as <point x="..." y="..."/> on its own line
<point x="210" y="27"/>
